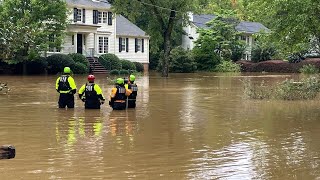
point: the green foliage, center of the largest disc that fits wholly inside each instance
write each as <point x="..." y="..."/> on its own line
<point x="57" y="62"/>
<point x="37" y="66"/>
<point x="26" y="25"/>
<point x="292" y="22"/>
<point x="297" y="56"/>
<point x="110" y="61"/>
<point x="79" y="58"/>
<point x="206" y="59"/>
<point x="139" y="66"/>
<point x="115" y="72"/>
<point x="124" y="72"/>
<point x="309" y="69"/>
<point x="181" y="61"/>
<point x="228" y="66"/>
<point x="79" y="68"/>
<point x="287" y="90"/>
<point x="220" y="41"/>
<point x="127" y="65"/>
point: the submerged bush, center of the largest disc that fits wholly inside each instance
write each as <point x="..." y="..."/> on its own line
<point x="309" y="69"/>
<point x="228" y="66"/>
<point x="139" y="66"/>
<point x="110" y="61"/>
<point x="114" y="72"/>
<point x="287" y="90"/>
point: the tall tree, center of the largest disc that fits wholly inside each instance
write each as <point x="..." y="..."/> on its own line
<point x="161" y="16"/>
<point x="26" y="26"/>
<point x="294" y="23"/>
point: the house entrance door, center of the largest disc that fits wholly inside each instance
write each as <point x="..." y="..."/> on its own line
<point x="79" y="43"/>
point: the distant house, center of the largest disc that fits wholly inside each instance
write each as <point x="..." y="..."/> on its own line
<point x="94" y="30"/>
<point x="199" y="21"/>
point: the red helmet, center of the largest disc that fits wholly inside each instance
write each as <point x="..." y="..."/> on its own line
<point x="91" y="77"/>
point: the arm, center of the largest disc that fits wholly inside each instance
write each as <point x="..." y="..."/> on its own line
<point x="57" y="84"/>
<point x="99" y="92"/>
<point x="81" y="91"/>
<point x="72" y="85"/>
<point x="128" y="92"/>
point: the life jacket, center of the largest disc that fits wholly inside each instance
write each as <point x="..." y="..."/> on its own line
<point x="134" y="89"/>
<point x="90" y="93"/>
<point x="121" y="93"/>
<point x="64" y="83"/>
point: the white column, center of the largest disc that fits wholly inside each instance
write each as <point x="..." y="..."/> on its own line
<point x="75" y="42"/>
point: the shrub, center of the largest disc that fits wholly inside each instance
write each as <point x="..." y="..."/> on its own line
<point x="139" y="66"/>
<point x="286" y="90"/>
<point x="79" y="58"/>
<point x="181" y="61"/>
<point x="57" y="62"/>
<point x="114" y="72"/>
<point x="237" y="51"/>
<point x="128" y="65"/>
<point x="37" y="66"/>
<point x="79" y="68"/>
<point x="262" y="53"/>
<point x="309" y="69"/>
<point x="110" y="61"/>
<point x="228" y="66"/>
<point x="124" y="72"/>
<point x="205" y="60"/>
<point x="297" y="57"/>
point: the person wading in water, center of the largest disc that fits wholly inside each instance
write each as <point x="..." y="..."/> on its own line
<point x="66" y="86"/>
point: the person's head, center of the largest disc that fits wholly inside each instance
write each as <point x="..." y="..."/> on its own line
<point x="125" y="80"/>
<point x="132" y="78"/>
<point x="120" y="81"/>
<point x="66" y="70"/>
<point x="91" y="78"/>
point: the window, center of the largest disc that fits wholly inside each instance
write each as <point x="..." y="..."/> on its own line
<point x="123" y="44"/>
<point x="105" y="17"/>
<point x="52" y="44"/>
<point x="102" y="17"/>
<point x="79" y="15"/>
<point x="243" y="38"/>
<point x="139" y="45"/>
<point x="72" y="39"/>
<point x="103" y="44"/>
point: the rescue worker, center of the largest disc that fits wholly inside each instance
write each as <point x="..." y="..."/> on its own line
<point x="119" y="95"/>
<point x="66" y="86"/>
<point x="91" y="94"/>
<point x="131" y="85"/>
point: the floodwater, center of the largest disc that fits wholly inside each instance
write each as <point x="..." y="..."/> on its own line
<point x="188" y="126"/>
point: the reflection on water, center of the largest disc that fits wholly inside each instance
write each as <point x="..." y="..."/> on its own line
<point x="187" y="126"/>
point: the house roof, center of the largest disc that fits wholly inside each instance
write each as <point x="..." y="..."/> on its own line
<point x="126" y="28"/>
<point x="89" y="3"/>
<point x="251" y="27"/>
<point x="200" y="20"/>
<point x="244" y="26"/>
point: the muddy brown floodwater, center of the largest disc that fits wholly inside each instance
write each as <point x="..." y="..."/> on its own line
<point x="188" y="126"/>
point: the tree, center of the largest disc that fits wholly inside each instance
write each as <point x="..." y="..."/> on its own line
<point x="293" y="23"/>
<point x="161" y="17"/>
<point x="26" y="27"/>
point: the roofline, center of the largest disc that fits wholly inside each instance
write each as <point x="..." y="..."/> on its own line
<point x="133" y="36"/>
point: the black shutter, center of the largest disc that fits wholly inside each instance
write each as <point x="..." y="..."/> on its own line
<point x="142" y="45"/>
<point x="109" y="18"/>
<point x="136" y="45"/>
<point x="75" y="13"/>
<point x="120" y="44"/>
<point x="95" y="17"/>
<point x="127" y="44"/>
<point x="83" y="15"/>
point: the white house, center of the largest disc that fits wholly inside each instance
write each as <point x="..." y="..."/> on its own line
<point x="247" y="29"/>
<point x="94" y="30"/>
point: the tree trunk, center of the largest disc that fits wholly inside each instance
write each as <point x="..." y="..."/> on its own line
<point x="167" y="44"/>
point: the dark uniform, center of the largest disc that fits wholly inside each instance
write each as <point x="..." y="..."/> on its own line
<point x="91" y="94"/>
<point x="133" y="96"/>
<point x="119" y="95"/>
<point x="66" y="86"/>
